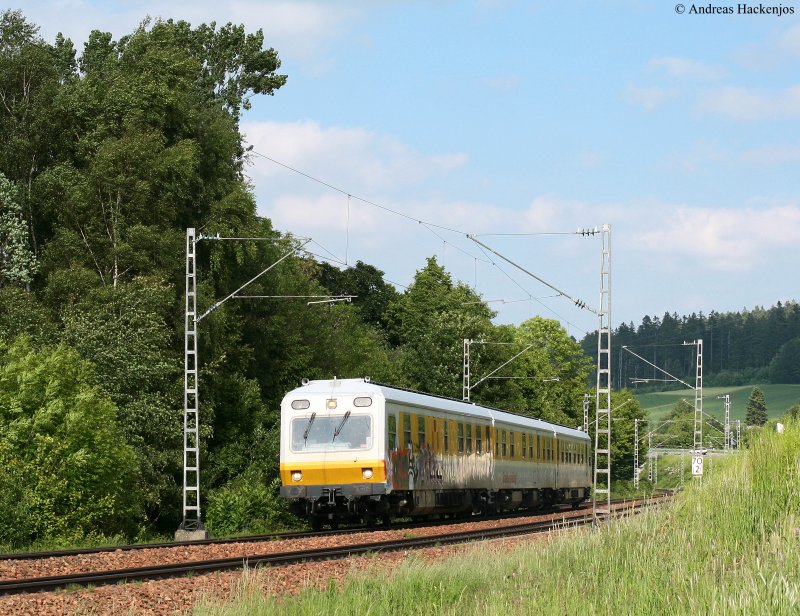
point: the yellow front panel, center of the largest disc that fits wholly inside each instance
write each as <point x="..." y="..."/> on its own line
<point x="333" y="473"/>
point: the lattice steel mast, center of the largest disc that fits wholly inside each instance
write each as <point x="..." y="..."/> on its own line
<point x="192" y="516"/>
<point x="635" y="454"/>
<point x="602" y="435"/>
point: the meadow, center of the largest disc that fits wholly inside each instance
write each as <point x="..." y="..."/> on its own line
<point x="778" y="399"/>
<point x="729" y="544"/>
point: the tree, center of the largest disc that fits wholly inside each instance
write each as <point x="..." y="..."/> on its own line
<point x="17" y="261"/>
<point x="123" y="332"/>
<point x="66" y="472"/>
<point x="429" y="323"/>
<point x="372" y="293"/>
<point x="756" y="414"/>
<point x="785" y="366"/>
<point x="552" y="373"/>
<point x="625" y="410"/>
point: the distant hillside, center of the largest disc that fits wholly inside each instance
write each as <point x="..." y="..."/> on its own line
<point x="739" y="348"/>
<point x="778" y="398"/>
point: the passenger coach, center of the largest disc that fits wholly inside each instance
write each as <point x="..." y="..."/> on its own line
<point x="351" y="449"/>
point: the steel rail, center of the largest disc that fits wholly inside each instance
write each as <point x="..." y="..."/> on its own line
<point x="259" y="538"/>
<point x="43" y="584"/>
<point x="274" y="536"/>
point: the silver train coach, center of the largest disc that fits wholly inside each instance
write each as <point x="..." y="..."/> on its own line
<point x="355" y="450"/>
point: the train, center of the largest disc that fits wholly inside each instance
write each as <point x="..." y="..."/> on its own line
<point x="352" y="450"/>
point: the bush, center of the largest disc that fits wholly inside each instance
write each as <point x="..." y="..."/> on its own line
<point x="248" y="504"/>
<point x="65" y="470"/>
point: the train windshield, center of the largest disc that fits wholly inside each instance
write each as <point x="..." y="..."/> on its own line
<point x="332" y="432"/>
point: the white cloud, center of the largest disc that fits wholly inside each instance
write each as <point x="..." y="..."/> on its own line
<point x="682" y="67"/>
<point x="504" y="83"/>
<point x="650" y="98"/>
<point x="745" y="104"/>
<point x="772" y="155"/>
<point x="790" y="40"/>
<point x="350" y="158"/>
<point x="721" y="239"/>
<point x="301" y="31"/>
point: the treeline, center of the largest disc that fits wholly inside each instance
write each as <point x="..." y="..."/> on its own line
<point x="109" y="155"/>
<point x="751" y="346"/>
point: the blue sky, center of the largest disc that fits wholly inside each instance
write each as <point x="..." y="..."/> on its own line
<point x="682" y="131"/>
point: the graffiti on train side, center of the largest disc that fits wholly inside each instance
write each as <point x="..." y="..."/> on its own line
<point x="410" y="469"/>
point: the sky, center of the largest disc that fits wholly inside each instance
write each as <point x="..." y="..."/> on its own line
<point x="405" y="127"/>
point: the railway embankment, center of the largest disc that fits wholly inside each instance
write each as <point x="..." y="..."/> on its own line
<point x="729" y="544"/>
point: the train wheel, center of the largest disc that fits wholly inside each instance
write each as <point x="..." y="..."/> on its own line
<point x="315" y="522"/>
<point x="386" y="519"/>
<point x="334" y="524"/>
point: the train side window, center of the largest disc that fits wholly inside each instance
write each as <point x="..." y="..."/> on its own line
<point x="469" y="438"/>
<point x="478" y="440"/>
<point x="524" y="445"/>
<point x="421" y="429"/>
<point x="530" y="447"/>
<point x="511" y="442"/>
<point x="406" y="430"/>
<point x="446" y="437"/>
<point x="460" y="437"/>
<point x="503" y="448"/>
<point x="391" y="442"/>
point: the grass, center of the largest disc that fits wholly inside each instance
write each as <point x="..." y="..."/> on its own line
<point x="778" y="399"/>
<point x="728" y="545"/>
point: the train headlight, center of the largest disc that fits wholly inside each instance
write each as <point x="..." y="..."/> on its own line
<point x="297" y="475"/>
<point x="366" y="473"/>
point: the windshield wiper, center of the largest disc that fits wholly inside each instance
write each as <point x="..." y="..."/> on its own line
<point x="339" y="429"/>
<point x="308" y="427"/>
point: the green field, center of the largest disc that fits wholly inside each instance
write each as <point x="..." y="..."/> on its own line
<point x="778" y="399"/>
<point x="727" y="545"/>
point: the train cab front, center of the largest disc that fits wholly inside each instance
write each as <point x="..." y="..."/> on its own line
<point x="332" y="463"/>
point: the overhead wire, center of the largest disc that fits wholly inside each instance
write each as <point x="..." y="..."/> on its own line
<point x="430" y="226"/>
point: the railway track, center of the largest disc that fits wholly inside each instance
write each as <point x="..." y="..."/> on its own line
<point x="49" y="583"/>
<point x="270" y="537"/>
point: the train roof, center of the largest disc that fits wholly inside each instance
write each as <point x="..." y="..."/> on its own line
<point x="432" y="401"/>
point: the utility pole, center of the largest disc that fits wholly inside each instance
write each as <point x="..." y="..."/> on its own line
<point x="650" y="457"/>
<point x="738" y="433"/>
<point x="191" y="527"/>
<point x="602" y="432"/>
<point x="586" y="413"/>
<point x="465" y="384"/>
<point x="698" y="396"/>
<point x="635" y="454"/>
<point x="727" y="398"/>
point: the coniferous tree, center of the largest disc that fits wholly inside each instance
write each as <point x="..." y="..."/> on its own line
<point x="756" y="408"/>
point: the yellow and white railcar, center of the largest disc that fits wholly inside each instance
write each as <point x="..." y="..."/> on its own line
<point x="354" y="449"/>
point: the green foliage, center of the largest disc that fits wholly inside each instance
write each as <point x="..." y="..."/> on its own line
<point x="756" y="414"/>
<point x="785" y="366"/>
<point x="65" y="469"/>
<point x="429" y="323"/>
<point x="625" y="410"/>
<point x="21" y="313"/>
<point x="552" y="372"/>
<point x="372" y="293"/>
<point x="17" y="261"/>
<point x="250" y="504"/>
<point x="738" y="346"/>
<point x="123" y="332"/>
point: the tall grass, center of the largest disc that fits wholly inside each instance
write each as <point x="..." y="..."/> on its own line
<point x="728" y="545"/>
